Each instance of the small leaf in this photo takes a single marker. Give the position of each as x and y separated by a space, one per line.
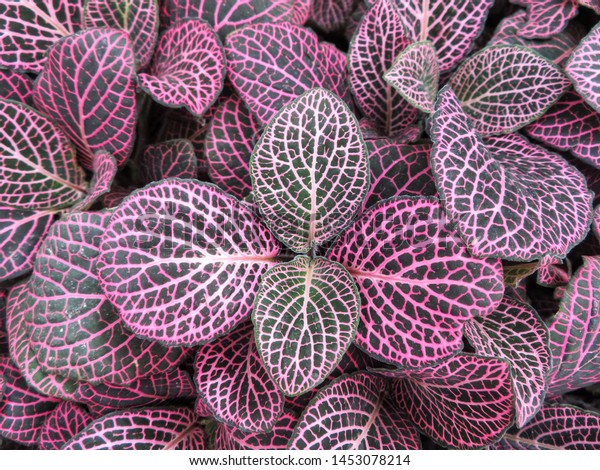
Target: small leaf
16 86
546 18
170 159
515 273
581 71
230 438
66 420
105 170
330 15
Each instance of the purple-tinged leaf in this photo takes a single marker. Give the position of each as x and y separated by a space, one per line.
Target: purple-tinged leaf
167 428
30 27
554 275
289 59
115 196
234 384
21 234
465 402
571 124
398 170
305 316
592 4
546 18
200 407
181 261
87 87
301 11
188 68
596 222
3 333
16 86
505 87
451 26
515 273
354 412
418 284
515 332
228 146
505 205
380 38
296 170
138 18
415 75
105 170
38 169
575 332
66 420
330 15
170 159
229 438
555 427
581 68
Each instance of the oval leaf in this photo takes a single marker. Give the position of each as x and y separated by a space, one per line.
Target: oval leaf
546 18
229 438
170 159
105 170
580 69
330 15
66 420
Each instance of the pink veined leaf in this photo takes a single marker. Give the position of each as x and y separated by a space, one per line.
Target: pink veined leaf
554 275
301 11
115 196
38 169
3 333
330 15
515 332
188 68
504 205
74 330
575 332
234 384
596 222
296 167
138 18
546 18
105 170
407 135
16 86
31 27
167 428
581 71
398 170
22 232
502 88
88 88
181 261
290 61
200 407
228 146
592 4
354 412
226 17
305 316
515 273
66 420
171 159
230 438
415 75
571 124
418 284
379 39
451 26
465 402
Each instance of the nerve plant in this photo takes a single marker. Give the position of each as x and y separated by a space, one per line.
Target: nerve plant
368 261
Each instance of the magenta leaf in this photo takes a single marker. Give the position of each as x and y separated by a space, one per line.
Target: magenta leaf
580 69
234 384
330 15
87 87
555 427
188 68
354 412
105 170
554 275
504 87
592 4
289 59
3 333
417 282
546 18
465 402
530 208
515 332
167 428
138 18
301 11
66 420
171 159
30 27
16 86
296 170
115 196
230 438
379 39
181 261
38 169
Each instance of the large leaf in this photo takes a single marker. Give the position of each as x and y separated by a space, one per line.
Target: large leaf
38 169
105 170
30 27
581 70
505 205
66 420
377 42
188 69
230 438
504 87
16 86
87 87
289 60
418 284
330 15
171 159
354 412
305 317
181 261
167 428
139 18
546 18
234 384
310 170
